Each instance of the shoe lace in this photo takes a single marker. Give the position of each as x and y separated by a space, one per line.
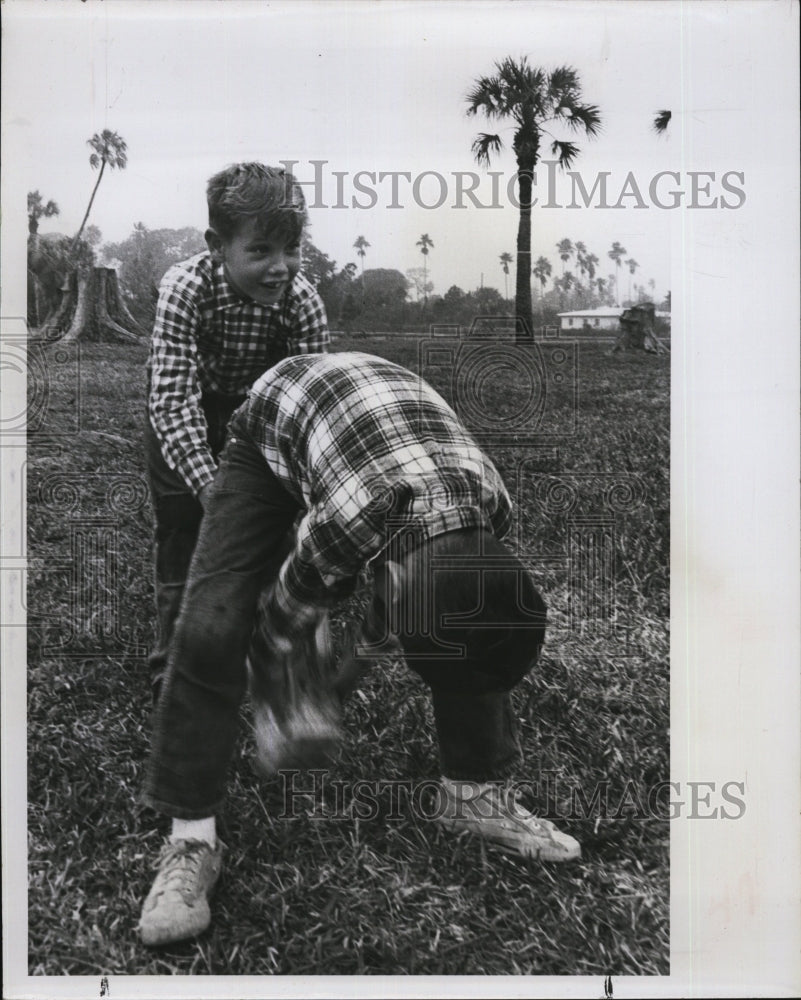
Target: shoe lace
179 863
508 803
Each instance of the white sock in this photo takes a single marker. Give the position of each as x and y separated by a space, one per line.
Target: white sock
195 829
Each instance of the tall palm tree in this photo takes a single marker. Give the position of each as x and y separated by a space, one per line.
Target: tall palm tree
565 250
568 280
37 209
425 243
542 271
107 148
581 256
632 265
600 284
533 100
616 254
361 246
506 259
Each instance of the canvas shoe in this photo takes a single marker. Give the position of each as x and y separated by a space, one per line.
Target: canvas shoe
177 906
493 813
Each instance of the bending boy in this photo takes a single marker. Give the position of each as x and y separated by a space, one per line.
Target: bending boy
383 472
223 318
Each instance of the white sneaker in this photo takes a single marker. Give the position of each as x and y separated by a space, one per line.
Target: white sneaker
177 906
492 812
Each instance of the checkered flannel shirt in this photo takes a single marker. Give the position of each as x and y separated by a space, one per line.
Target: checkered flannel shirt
208 338
368 448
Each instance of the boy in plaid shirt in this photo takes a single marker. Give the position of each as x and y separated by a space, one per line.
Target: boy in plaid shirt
382 472
223 318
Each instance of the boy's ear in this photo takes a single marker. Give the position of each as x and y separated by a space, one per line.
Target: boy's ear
216 246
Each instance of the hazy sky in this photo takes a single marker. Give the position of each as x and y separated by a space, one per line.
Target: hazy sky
367 87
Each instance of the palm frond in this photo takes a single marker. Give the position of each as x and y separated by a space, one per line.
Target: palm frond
109 148
586 117
488 97
564 80
484 145
661 121
564 151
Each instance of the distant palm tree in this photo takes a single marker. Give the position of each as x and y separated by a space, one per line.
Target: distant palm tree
506 259
600 284
661 121
581 256
533 100
616 254
632 265
37 209
425 243
542 271
361 246
108 148
565 250
568 280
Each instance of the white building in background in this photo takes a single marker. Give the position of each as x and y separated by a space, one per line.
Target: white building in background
605 319
602 319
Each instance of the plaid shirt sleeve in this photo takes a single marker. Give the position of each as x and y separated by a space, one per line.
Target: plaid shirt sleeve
322 569
174 403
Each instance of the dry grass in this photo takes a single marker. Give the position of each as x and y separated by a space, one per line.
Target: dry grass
332 889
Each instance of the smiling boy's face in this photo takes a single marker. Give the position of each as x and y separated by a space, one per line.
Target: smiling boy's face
258 265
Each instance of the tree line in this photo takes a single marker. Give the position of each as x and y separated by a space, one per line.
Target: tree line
70 295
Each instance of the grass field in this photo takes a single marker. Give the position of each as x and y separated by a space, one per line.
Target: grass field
330 890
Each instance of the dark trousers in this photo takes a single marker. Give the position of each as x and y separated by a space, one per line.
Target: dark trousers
239 549
178 514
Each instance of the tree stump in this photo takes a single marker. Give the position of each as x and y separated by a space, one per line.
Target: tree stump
637 330
99 311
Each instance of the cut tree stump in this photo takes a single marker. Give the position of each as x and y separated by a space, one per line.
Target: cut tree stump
637 330
92 309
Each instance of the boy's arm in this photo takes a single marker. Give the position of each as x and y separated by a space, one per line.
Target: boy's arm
174 403
322 568
308 322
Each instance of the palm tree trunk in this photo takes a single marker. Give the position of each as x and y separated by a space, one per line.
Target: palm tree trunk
524 326
89 206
